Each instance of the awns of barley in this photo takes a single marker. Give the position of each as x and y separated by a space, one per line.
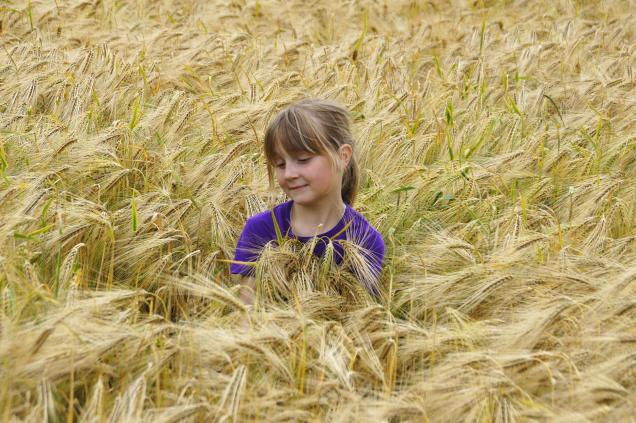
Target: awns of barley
496 144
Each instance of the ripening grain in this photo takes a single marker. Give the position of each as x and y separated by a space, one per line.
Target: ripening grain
497 142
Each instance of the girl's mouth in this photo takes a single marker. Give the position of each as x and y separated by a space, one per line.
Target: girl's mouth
298 187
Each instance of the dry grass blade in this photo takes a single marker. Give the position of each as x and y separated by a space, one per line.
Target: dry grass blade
496 143
231 399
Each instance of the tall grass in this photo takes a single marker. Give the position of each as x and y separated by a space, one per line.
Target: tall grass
497 144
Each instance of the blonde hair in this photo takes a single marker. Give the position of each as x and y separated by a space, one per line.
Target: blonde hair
316 127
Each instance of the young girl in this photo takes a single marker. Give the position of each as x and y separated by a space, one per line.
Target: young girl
309 150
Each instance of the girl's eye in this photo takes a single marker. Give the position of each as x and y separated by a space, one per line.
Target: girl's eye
280 165
304 160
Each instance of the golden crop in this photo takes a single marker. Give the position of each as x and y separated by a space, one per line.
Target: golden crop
498 148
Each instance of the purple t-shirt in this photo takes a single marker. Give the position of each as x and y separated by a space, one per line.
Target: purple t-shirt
259 230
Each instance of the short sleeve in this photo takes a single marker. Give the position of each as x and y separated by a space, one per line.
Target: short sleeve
370 246
248 250
373 248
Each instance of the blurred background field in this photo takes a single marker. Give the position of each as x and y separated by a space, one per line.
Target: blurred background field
497 144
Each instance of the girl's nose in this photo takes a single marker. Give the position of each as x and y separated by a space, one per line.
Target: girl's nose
291 171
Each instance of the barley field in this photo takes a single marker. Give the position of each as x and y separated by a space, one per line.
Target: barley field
497 143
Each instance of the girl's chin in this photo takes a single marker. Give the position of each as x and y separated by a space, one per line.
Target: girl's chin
302 199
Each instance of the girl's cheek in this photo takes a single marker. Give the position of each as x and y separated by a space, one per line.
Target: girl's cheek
280 180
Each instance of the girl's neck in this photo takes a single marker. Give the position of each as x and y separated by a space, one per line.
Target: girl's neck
314 220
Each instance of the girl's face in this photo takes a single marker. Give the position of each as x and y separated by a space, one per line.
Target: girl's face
310 179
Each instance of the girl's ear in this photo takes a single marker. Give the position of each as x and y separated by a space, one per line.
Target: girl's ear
345 152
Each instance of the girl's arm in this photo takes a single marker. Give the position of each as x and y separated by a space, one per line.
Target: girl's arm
248 287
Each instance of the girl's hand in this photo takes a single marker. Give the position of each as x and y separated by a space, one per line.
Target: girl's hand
246 294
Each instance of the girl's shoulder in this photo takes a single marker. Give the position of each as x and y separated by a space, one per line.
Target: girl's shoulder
263 222
361 231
